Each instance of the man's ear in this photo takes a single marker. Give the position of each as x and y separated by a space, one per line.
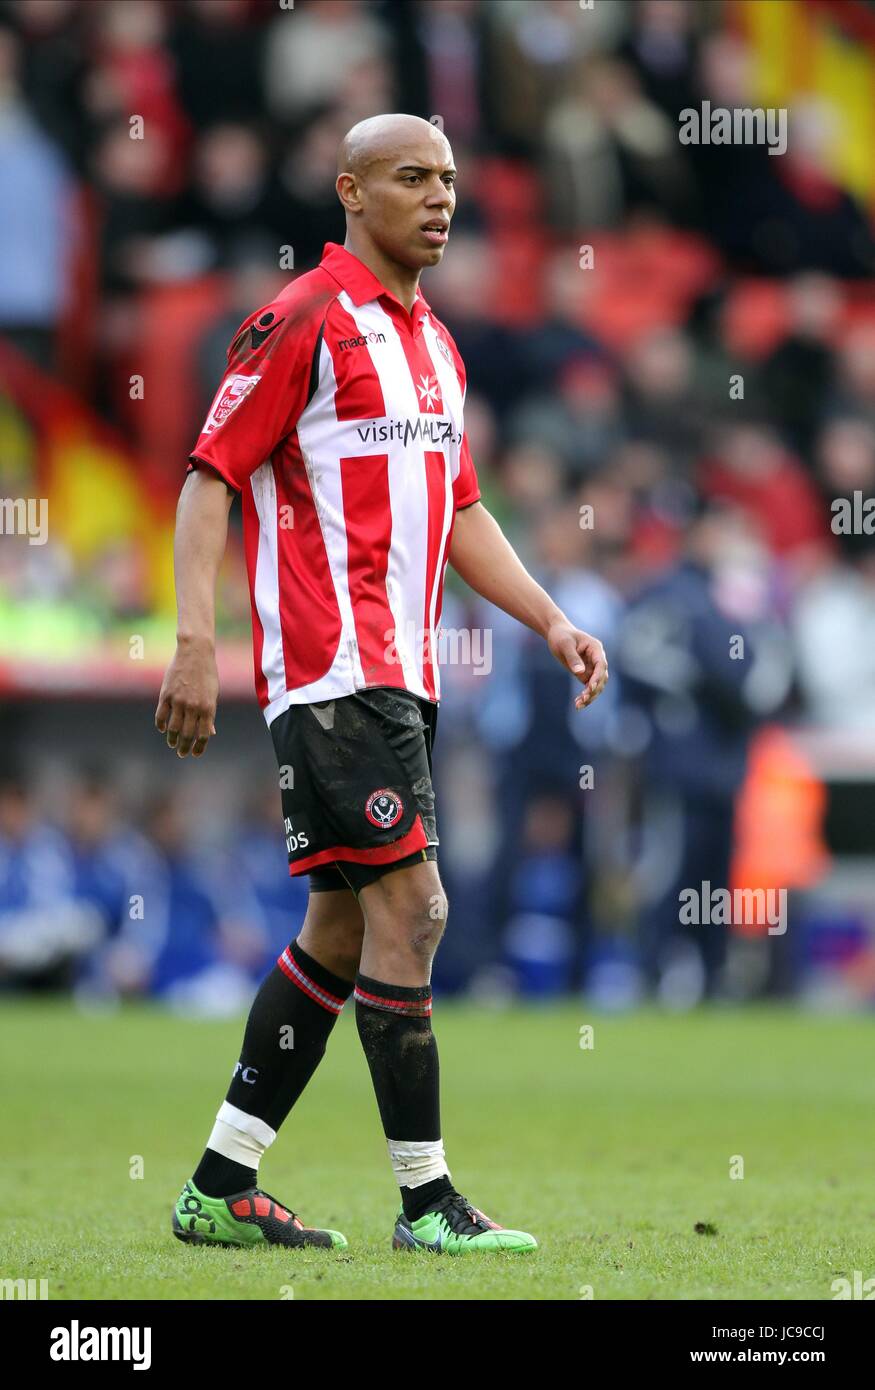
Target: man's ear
348 192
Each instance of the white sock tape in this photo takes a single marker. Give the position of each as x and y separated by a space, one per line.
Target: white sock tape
240 1137
415 1162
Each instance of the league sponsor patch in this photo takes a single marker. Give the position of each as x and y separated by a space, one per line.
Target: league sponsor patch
233 390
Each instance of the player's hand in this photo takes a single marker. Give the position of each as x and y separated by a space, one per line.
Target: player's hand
584 656
189 694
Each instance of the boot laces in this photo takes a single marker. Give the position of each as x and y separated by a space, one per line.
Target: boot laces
461 1204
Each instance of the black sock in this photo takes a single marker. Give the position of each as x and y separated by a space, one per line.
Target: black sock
394 1025
418 1200
286 1034
218 1176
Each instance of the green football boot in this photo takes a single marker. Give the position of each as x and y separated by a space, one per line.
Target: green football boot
454 1227
246 1218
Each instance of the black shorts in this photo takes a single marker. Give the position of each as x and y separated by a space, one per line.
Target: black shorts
355 779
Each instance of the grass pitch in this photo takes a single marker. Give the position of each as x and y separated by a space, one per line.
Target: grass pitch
612 1156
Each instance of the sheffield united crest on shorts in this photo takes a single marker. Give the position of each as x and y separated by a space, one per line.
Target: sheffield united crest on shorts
384 808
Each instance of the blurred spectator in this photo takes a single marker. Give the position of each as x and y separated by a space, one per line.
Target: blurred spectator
452 45
846 465
701 660
662 48
609 149
135 212
527 716
532 479
750 469
853 391
544 898
796 376
212 941
558 338
776 214
134 79
44 930
311 214
836 607
535 43
663 405
218 54
333 52
580 420
54 64
36 219
114 870
234 198
260 852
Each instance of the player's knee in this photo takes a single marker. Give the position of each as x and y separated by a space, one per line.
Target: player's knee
348 939
333 932
408 910
426 923
346 957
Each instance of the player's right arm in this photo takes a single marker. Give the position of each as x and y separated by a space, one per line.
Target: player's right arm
189 694
271 362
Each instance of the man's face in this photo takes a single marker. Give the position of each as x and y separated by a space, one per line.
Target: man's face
407 202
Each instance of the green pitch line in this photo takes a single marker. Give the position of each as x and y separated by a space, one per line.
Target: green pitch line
611 1157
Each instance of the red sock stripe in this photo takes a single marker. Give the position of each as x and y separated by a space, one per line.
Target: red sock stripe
290 967
420 1007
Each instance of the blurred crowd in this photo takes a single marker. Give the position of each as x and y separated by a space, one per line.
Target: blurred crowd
671 382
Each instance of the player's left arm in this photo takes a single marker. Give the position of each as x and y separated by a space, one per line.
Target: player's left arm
483 556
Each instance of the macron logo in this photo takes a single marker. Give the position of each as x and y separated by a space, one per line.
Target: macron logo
363 340
75 1343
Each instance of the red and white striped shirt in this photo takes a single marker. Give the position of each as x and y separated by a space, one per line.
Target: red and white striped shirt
341 422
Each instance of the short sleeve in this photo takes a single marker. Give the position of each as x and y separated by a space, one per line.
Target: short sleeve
264 391
466 489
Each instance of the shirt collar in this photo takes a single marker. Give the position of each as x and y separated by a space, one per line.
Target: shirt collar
360 283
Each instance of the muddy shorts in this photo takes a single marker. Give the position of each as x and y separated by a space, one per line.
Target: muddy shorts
355 779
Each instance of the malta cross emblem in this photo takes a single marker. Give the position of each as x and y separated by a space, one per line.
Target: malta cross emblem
429 393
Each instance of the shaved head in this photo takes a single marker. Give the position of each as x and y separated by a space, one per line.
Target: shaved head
396 181
380 138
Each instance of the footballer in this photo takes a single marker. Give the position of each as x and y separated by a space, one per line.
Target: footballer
341 422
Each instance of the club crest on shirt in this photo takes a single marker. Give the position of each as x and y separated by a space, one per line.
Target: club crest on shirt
233 390
444 350
384 808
